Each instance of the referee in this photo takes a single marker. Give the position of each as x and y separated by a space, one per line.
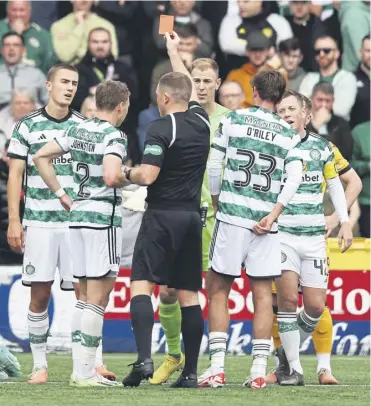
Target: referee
168 247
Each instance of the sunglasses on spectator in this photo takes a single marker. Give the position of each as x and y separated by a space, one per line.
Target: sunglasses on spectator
326 51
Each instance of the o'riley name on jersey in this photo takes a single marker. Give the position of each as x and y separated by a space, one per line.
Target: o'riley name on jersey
33 131
95 204
257 145
304 215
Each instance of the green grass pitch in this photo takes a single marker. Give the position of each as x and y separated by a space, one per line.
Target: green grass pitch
352 372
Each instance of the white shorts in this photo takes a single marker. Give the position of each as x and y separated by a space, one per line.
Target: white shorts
233 246
47 249
307 257
96 253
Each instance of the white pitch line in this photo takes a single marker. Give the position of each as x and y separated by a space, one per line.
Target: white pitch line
234 385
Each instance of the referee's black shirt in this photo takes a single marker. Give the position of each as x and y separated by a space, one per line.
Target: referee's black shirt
179 144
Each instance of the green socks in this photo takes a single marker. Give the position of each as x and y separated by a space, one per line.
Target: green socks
171 320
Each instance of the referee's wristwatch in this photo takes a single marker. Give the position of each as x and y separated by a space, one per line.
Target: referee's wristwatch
127 173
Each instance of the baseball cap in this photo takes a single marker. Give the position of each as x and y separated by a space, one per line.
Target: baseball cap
257 40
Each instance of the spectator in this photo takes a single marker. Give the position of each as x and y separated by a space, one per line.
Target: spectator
22 103
345 84
253 16
257 51
7 256
99 64
184 13
88 107
361 163
71 33
355 24
306 27
14 74
328 124
231 95
328 12
39 49
361 109
120 14
186 49
44 13
291 57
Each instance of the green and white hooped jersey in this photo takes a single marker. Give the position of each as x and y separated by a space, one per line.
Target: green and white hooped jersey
304 215
95 205
33 131
257 146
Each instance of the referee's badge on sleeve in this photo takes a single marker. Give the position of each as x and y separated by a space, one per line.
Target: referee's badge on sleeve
153 150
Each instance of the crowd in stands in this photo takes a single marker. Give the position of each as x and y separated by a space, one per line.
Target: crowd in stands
322 48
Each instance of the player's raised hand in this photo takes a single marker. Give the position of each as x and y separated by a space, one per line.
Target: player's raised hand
345 236
16 236
172 41
66 202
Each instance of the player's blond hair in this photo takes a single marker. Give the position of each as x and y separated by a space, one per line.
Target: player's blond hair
205 63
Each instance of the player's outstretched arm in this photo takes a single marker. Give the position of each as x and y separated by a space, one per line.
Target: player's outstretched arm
177 64
294 170
44 163
14 188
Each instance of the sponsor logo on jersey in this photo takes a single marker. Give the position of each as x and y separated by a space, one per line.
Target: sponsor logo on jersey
153 150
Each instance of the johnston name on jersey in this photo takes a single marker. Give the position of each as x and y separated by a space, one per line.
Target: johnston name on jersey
304 215
33 131
257 144
95 205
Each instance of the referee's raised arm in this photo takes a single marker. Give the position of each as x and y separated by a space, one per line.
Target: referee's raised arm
172 43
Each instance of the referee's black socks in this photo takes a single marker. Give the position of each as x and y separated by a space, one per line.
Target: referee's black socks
192 331
142 320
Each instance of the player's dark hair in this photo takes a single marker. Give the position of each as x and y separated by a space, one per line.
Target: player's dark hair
270 85
293 93
291 44
323 87
12 34
57 67
178 85
110 94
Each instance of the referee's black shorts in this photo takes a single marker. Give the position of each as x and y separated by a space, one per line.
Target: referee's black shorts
168 249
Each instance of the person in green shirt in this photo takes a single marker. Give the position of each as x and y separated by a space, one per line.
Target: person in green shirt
39 47
361 164
205 74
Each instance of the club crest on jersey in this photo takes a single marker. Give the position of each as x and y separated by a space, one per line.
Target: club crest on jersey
283 257
315 155
30 269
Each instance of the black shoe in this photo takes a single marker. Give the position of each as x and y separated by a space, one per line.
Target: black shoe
283 368
143 370
293 379
189 381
